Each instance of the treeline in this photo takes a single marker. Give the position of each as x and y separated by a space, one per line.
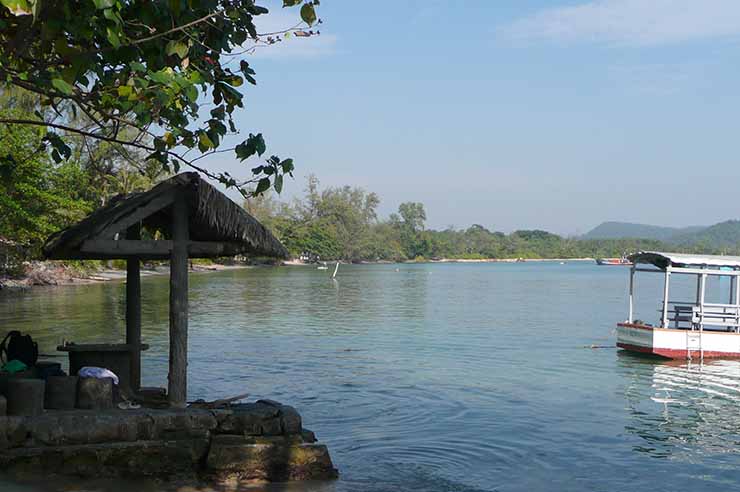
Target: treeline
42 192
342 223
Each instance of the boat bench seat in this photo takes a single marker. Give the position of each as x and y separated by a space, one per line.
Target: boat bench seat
716 315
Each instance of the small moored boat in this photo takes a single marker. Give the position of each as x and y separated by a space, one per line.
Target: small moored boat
613 261
690 328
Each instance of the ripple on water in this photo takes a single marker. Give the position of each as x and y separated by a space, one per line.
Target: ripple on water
436 377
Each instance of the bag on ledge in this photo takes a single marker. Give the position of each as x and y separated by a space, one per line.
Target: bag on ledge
16 346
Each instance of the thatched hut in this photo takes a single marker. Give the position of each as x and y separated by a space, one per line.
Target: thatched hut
196 221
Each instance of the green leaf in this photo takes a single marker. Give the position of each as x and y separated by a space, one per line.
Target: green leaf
103 4
161 77
191 92
278 183
291 3
262 185
204 141
62 86
177 47
17 7
137 67
112 15
287 165
255 144
113 37
259 144
308 14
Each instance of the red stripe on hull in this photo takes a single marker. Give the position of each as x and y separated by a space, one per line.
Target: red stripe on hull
677 353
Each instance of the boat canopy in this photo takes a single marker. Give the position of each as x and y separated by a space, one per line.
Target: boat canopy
664 260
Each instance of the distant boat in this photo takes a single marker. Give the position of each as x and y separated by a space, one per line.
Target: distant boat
613 261
322 267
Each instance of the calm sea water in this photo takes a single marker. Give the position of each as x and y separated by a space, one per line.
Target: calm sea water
443 377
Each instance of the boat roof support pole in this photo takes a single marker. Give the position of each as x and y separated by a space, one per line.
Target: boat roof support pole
632 294
736 302
133 310
664 321
178 375
702 296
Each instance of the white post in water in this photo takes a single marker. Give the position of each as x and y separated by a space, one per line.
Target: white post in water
664 321
632 293
335 270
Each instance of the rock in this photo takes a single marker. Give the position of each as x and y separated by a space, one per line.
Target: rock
13 431
25 397
95 394
308 436
61 392
233 459
160 459
264 418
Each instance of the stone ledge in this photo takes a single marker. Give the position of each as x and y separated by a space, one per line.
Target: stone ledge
139 458
73 427
261 441
231 459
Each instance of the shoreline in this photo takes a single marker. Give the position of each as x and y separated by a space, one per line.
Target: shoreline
54 275
443 260
44 274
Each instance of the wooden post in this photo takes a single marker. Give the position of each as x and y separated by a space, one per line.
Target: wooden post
133 310
178 376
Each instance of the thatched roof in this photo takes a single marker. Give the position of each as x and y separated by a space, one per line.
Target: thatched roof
218 226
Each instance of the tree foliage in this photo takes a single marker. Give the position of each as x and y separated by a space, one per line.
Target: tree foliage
141 72
342 223
39 196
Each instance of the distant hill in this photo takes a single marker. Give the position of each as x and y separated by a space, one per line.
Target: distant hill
619 230
723 235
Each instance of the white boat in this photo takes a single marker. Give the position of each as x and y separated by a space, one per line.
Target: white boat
687 329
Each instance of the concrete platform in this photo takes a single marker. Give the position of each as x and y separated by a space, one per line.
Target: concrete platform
262 441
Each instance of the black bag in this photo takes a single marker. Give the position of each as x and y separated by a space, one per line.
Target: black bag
16 346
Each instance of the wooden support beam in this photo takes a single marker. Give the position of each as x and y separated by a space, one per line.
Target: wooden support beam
125 248
178 375
133 309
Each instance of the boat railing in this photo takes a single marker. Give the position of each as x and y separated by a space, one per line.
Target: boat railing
689 315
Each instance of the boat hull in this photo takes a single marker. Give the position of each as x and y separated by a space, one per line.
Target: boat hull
677 344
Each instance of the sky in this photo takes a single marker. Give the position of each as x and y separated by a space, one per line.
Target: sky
512 114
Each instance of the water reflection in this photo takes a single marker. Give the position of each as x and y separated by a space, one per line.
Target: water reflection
435 377
683 410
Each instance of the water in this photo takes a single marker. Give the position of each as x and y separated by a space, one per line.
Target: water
442 377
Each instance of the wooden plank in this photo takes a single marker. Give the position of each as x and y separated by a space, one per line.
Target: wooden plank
125 248
178 374
133 309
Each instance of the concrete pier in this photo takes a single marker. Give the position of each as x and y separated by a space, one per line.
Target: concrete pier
253 442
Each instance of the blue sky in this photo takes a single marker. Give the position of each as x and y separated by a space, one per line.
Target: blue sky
512 114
